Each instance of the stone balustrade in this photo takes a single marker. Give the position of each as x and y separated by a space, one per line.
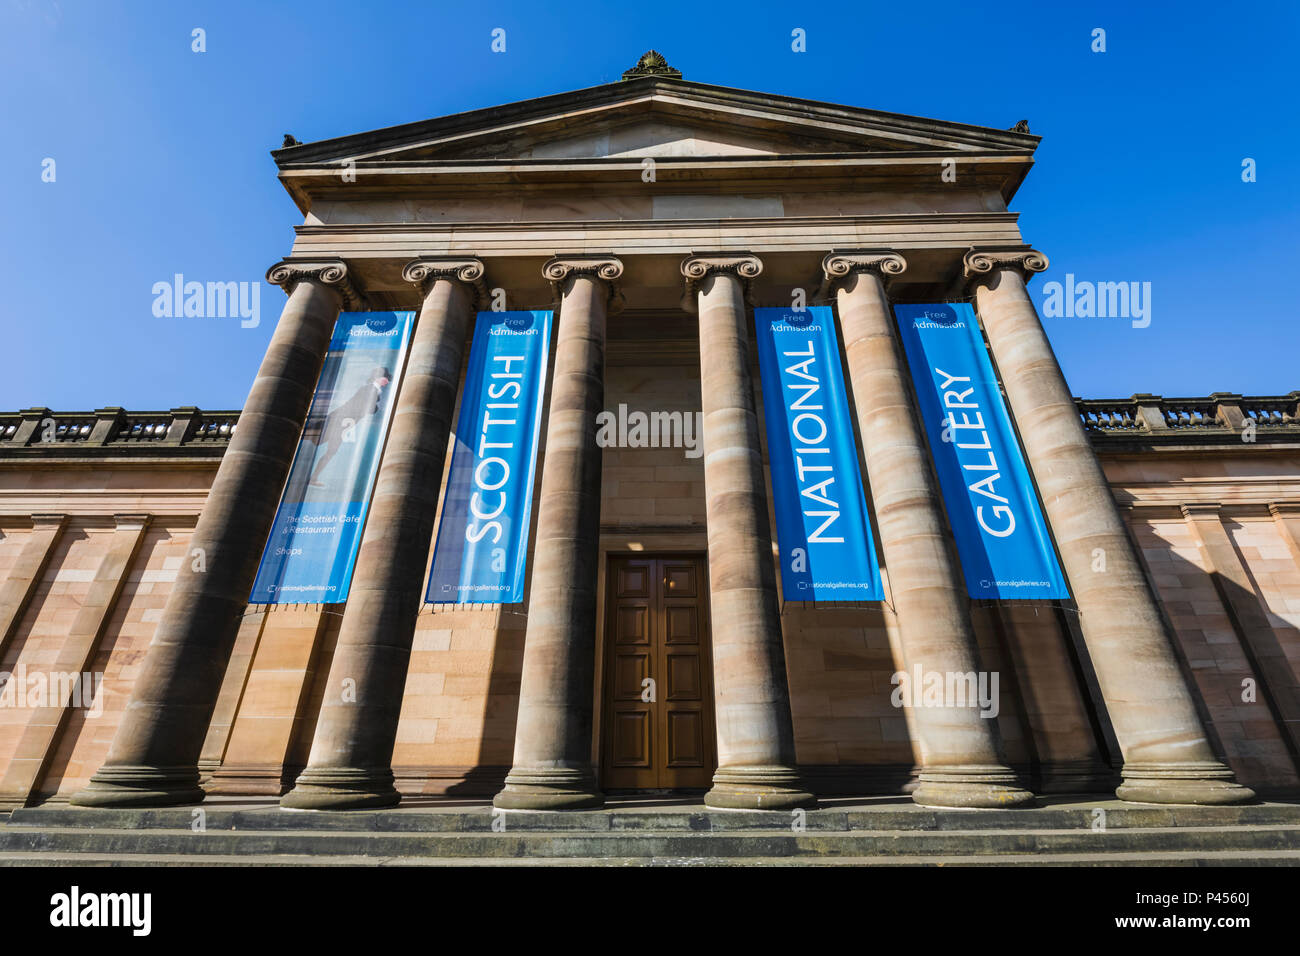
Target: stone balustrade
1218 416
36 431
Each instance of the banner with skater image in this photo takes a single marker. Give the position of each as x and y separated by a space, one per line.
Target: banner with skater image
313 544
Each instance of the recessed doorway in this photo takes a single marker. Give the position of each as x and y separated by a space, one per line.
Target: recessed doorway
657 725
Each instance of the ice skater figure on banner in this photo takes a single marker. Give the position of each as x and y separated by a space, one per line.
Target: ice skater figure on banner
337 427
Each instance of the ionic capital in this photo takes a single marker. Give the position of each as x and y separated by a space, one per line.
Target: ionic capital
980 263
560 270
424 271
333 273
838 266
696 269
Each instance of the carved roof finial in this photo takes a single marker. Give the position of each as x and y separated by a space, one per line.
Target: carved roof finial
652 63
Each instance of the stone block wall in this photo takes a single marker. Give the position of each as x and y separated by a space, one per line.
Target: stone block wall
1218 530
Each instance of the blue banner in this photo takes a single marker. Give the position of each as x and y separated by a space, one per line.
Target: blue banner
821 514
313 543
482 542
1003 541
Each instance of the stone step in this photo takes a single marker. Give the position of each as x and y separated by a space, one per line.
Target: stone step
900 817
1207 858
18 839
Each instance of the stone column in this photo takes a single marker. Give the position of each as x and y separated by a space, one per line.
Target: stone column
756 757
1167 755
962 763
153 760
350 766
552 761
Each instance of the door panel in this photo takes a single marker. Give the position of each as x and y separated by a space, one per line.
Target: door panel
631 732
629 673
683 682
681 624
686 746
657 628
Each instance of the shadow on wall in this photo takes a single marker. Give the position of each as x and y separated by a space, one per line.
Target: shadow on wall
851 739
1235 659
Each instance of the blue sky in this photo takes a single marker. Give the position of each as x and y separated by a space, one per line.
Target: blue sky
162 161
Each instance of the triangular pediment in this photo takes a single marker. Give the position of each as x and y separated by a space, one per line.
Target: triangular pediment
646 134
655 117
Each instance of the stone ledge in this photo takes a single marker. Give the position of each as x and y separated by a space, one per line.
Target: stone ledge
1138 423
1060 831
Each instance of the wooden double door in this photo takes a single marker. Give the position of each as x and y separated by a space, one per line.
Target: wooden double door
657 730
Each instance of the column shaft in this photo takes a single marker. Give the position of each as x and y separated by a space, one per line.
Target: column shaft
552 759
1167 756
350 766
962 762
153 760
756 754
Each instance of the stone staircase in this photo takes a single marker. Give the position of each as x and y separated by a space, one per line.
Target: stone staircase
1061 832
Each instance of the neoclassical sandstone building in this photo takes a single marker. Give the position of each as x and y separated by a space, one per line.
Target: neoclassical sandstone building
650 214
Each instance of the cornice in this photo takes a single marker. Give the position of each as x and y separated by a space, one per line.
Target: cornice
446 164
912 170
526 225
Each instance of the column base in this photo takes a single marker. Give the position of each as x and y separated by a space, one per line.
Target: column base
140 786
550 789
1207 783
758 788
970 787
342 788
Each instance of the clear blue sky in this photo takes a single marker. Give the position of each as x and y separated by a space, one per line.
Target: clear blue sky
163 166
